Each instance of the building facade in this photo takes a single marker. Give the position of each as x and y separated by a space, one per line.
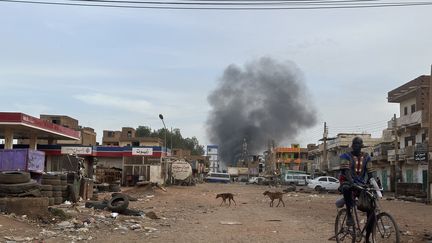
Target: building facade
335 148
291 158
410 158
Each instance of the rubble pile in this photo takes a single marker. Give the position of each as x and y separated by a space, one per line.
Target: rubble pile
118 203
84 221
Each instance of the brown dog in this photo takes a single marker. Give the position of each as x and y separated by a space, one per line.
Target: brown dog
273 196
226 196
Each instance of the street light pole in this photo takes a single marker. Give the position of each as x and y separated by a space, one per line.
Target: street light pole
165 141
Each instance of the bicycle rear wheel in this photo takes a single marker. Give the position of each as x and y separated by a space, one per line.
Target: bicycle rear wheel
344 233
386 229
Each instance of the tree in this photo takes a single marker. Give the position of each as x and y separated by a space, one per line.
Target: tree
173 137
143 131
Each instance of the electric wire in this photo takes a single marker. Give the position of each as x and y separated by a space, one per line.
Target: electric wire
198 6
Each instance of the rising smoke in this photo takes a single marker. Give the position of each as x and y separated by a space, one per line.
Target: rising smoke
265 100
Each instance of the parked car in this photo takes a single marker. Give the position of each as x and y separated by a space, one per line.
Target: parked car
257 180
218 177
324 183
296 179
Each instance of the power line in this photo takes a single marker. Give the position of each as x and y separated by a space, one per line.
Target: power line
312 6
232 2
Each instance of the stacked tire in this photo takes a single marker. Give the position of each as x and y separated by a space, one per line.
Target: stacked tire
64 187
18 184
56 188
47 191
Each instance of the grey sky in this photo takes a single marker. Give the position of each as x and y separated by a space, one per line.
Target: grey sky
110 68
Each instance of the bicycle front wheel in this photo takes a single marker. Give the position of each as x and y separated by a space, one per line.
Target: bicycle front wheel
386 229
344 233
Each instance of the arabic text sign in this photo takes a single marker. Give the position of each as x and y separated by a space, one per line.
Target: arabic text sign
142 151
181 170
76 150
420 156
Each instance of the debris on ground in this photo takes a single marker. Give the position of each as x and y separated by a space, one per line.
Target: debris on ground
230 223
151 215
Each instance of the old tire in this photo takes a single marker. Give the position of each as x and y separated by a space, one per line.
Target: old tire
57 194
14 177
132 212
131 199
47 193
46 187
119 203
96 205
54 182
19 188
51 201
57 188
49 177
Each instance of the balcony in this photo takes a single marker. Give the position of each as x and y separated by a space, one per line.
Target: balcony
412 119
391 155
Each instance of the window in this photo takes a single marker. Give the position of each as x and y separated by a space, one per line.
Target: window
322 179
413 108
405 110
129 134
332 180
110 134
423 137
409 141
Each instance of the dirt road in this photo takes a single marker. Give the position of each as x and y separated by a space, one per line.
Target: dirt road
192 214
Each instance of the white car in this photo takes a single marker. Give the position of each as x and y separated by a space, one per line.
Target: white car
324 183
257 180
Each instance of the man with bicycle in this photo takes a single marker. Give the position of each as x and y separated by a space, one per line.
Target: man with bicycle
356 169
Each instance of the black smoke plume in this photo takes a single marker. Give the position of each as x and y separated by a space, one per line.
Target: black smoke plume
265 100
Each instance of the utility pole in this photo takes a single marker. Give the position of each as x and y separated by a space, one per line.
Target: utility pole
395 169
325 134
429 174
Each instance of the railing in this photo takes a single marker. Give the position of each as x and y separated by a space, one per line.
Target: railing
410 120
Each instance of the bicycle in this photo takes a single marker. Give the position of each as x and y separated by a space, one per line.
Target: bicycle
385 230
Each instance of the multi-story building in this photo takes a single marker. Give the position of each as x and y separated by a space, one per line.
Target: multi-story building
291 158
212 152
337 146
411 128
127 138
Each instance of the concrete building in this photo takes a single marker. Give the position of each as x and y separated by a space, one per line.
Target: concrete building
140 158
292 158
411 127
213 153
127 138
14 125
337 146
65 159
87 134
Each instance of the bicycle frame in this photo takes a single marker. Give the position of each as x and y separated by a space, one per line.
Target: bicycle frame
359 232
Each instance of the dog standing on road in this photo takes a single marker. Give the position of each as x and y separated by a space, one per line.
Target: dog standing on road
226 196
273 196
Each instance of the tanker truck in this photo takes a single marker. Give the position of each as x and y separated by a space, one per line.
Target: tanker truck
181 173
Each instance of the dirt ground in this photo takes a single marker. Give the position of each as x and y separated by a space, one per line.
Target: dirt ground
192 214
